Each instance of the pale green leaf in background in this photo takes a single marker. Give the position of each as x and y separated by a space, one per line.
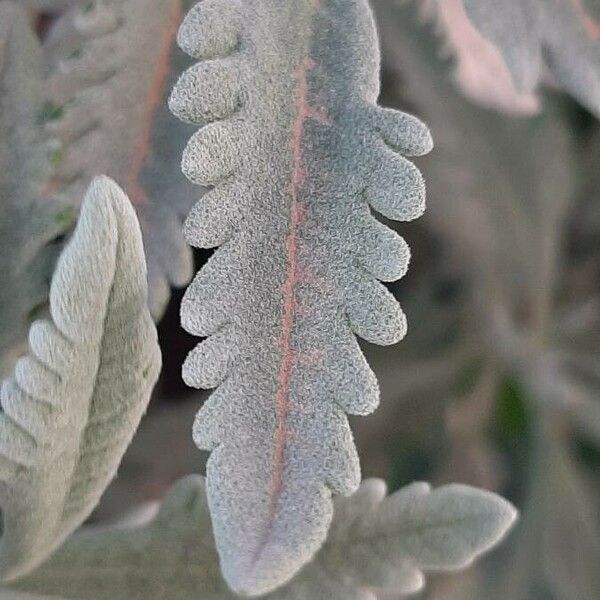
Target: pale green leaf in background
479 70
74 402
555 552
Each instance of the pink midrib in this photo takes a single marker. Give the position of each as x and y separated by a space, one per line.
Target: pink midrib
288 289
303 111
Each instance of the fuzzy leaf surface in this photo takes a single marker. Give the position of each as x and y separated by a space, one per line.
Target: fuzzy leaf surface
73 403
375 543
563 35
296 149
110 69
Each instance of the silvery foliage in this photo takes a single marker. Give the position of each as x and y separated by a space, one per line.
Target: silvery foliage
479 70
297 150
71 407
376 543
97 303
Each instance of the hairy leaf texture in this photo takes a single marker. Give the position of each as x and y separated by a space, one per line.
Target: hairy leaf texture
29 221
110 69
378 544
296 150
375 543
74 402
563 35
171 556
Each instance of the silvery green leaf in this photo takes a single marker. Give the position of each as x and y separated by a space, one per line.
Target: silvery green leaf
172 556
532 35
375 544
386 544
29 219
297 149
73 403
110 66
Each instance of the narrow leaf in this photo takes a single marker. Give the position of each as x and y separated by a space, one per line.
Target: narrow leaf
297 150
375 544
73 404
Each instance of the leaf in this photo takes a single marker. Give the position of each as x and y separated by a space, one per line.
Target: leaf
73 404
559 34
375 543
29 220
396 539
480 70
172 556
110 65
297 150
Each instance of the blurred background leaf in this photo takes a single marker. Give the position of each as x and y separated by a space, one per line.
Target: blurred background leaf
30 219
110 66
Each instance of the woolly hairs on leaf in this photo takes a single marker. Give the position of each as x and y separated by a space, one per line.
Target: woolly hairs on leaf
296 150
375 543
74 402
